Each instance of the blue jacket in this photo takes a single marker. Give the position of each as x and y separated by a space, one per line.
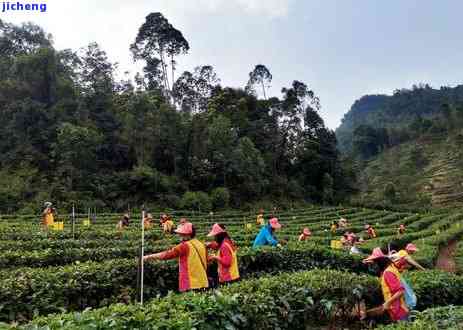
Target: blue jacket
265 237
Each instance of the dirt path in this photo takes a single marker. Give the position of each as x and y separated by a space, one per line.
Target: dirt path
446 260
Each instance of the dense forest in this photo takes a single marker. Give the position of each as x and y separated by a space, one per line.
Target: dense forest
73 133
378 122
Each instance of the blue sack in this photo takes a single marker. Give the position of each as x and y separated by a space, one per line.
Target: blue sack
409 295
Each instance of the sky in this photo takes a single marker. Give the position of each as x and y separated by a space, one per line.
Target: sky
342 49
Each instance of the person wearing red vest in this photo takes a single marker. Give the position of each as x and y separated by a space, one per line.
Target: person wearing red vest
403 260
306 233
391 285
371 232
401 229
192 259
226 259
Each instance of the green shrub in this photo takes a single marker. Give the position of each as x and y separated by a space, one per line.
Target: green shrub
25 291
199 201
220 198
288 301
450 318
204 201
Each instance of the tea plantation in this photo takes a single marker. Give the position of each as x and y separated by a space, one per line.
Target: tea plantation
87 279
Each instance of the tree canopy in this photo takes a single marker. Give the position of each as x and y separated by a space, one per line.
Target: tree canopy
73 132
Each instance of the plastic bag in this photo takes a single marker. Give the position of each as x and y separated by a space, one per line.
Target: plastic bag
409 295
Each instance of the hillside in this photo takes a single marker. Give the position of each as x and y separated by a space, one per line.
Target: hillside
395 112
424 172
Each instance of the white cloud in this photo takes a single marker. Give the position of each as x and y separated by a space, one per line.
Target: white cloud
265 8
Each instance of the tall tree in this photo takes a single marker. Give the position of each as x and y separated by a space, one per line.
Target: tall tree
259 76
192 90
158 41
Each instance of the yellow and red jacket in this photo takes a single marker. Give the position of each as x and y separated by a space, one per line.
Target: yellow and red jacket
48 217
192 263
390 285
371 232
228 261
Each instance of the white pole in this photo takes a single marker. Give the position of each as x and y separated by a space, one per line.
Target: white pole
142 252
73 220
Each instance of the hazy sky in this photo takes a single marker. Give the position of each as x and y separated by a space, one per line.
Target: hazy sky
342 49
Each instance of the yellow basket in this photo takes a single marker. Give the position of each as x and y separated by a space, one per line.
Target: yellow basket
86 222
58 226
337 245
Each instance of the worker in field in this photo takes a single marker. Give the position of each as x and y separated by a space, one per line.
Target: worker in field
266 236
48 215
392 288
124 222
401 230
226 259
260 218
192 259
167 223
370 231
403 259
345 240
343 223
334 228
148 221
354 250
305 235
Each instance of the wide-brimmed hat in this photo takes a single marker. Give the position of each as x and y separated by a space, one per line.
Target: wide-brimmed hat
274 223
306 231
149 216
377 253
367 226
411 247
185 229
216 229
47 204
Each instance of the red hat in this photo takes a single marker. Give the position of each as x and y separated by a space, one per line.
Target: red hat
185 229
376 254
306 232
411 247
274 223
216 229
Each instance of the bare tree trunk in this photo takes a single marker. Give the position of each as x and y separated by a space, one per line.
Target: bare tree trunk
263 89
172 63
164 73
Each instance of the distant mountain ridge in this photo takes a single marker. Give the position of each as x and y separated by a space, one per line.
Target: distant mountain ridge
395 111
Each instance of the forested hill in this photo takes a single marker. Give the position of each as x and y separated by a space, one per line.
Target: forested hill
72 133
408 146
401 114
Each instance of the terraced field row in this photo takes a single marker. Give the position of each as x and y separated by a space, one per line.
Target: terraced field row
48 272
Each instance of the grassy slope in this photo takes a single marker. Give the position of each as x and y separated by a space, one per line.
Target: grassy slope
437 181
